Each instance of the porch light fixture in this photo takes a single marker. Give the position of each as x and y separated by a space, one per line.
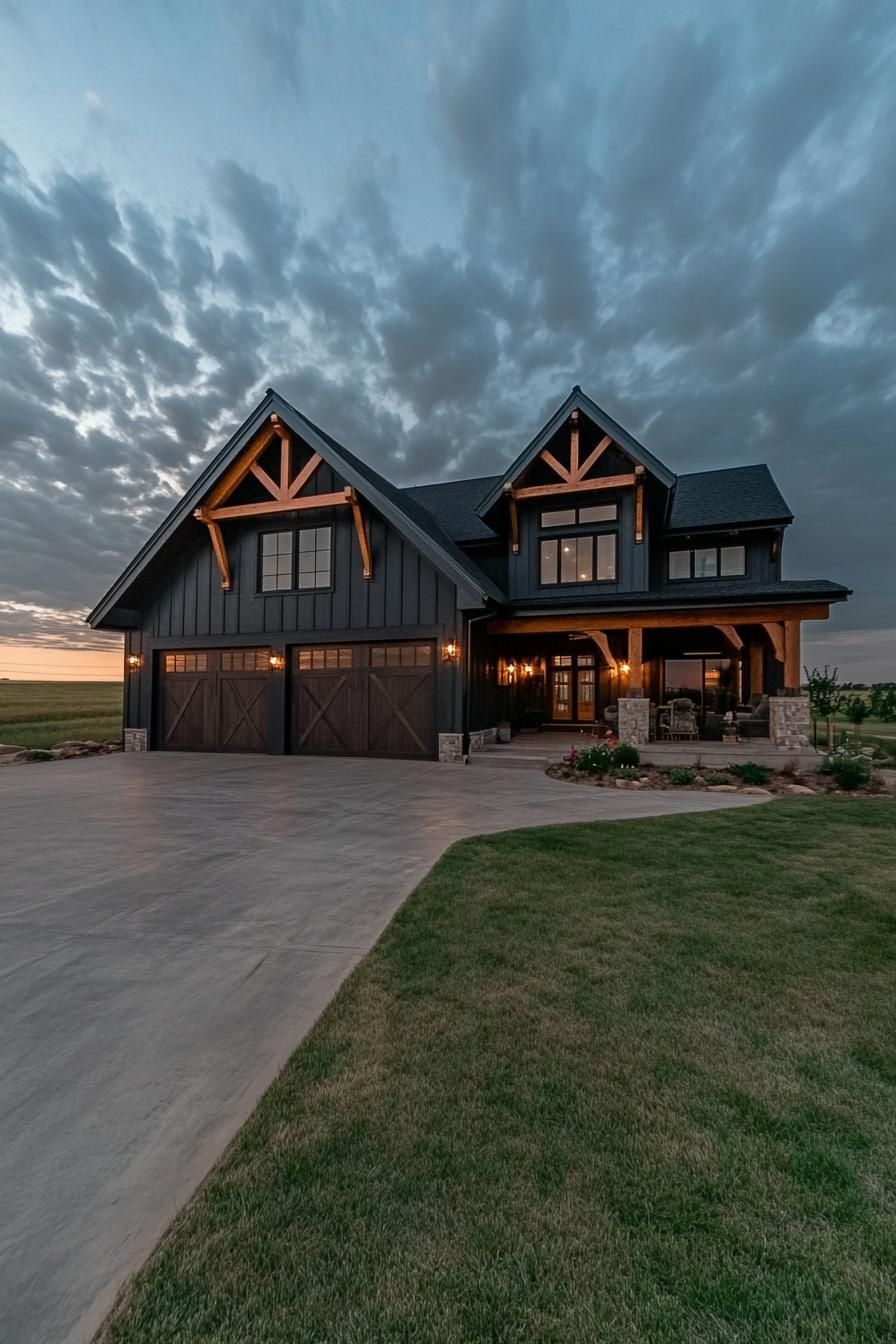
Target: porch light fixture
528 669
624 668
135 661
277 661
451 651
511 671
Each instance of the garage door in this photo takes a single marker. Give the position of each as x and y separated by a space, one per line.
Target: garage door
364 700
214 700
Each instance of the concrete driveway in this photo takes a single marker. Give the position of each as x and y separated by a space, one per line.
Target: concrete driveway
170 927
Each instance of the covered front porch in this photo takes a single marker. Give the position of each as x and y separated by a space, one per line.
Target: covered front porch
665 677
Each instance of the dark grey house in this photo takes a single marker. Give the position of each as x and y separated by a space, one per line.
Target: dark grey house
295 600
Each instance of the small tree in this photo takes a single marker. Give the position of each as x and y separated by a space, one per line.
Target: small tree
825 696
856 708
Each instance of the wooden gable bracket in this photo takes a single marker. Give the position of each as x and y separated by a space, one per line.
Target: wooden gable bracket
732 636
600 639
775 632
218 548
639 504
514 519
361 531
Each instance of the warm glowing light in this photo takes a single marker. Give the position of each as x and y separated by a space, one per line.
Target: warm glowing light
451 650
135 661
511 669
278 662
528 669
624 667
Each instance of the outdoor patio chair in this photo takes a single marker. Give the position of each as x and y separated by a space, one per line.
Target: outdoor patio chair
756 723
681 721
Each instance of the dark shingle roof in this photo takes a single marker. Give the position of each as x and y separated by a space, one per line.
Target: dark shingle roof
727 497
694 594
453 504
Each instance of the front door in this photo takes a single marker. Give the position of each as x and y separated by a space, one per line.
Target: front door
573 688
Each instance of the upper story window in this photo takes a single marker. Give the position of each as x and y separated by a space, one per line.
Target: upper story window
708 562
278 560
315 550
578 559
591 513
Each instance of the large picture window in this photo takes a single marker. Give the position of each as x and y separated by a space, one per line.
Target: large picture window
708 562
578 559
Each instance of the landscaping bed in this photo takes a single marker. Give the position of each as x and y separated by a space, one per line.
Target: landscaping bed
10 754
620 768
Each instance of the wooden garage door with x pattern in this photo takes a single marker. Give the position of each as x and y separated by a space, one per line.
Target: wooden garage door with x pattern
214 700
364 700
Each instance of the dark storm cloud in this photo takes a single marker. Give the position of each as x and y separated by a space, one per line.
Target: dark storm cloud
700 234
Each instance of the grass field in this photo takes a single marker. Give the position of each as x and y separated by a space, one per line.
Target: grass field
39 713
616 1083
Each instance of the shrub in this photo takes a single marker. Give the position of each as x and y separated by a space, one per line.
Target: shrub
625 754
680 774
856 708
849 770
38 754
751 773
716 777
626 772
592 760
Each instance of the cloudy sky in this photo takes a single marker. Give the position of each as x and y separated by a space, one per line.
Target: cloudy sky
423 222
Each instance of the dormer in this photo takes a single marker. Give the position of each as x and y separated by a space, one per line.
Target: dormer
576 507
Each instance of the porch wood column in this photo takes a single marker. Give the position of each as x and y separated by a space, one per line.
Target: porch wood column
792 655
757 665
636 671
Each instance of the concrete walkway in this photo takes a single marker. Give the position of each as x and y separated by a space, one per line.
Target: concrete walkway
170 927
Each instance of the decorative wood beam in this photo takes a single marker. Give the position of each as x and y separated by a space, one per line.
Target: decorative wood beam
776 636
792 678
218 547
592 457
285 445
635 652
555 465
757 665
239 470
639 504
603 644
574 447
269 484
277 506
514 519
304 475
657 620
732 636
574 487
361 530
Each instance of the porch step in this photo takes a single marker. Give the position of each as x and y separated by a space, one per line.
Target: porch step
512 760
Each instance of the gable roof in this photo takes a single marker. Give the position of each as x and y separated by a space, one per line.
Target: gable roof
416 523
455 504
578 401
726 497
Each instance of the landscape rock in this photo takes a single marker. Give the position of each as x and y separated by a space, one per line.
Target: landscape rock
698 779
629 784
801 788
725 788
754 788
6 749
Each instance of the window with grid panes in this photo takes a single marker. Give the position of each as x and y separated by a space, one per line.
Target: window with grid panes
276 561
315 564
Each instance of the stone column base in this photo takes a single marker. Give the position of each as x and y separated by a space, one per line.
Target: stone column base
477 740
789 722
634 721
135 739
451 747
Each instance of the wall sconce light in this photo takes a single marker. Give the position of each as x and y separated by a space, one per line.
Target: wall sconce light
528 669
511 671
450 651
135 662
624 668
277 661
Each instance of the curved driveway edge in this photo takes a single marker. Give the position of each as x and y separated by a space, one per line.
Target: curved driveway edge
170 928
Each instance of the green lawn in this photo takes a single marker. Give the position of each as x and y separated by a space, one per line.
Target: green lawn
631 1081
40 713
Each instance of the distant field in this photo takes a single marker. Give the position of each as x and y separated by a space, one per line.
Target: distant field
40 713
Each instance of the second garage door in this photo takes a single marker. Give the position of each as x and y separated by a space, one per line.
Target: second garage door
364 700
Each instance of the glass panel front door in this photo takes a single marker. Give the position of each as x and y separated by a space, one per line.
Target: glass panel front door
562 692
573 687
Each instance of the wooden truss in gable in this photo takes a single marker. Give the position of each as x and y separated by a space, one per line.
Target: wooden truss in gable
284 496
575 478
